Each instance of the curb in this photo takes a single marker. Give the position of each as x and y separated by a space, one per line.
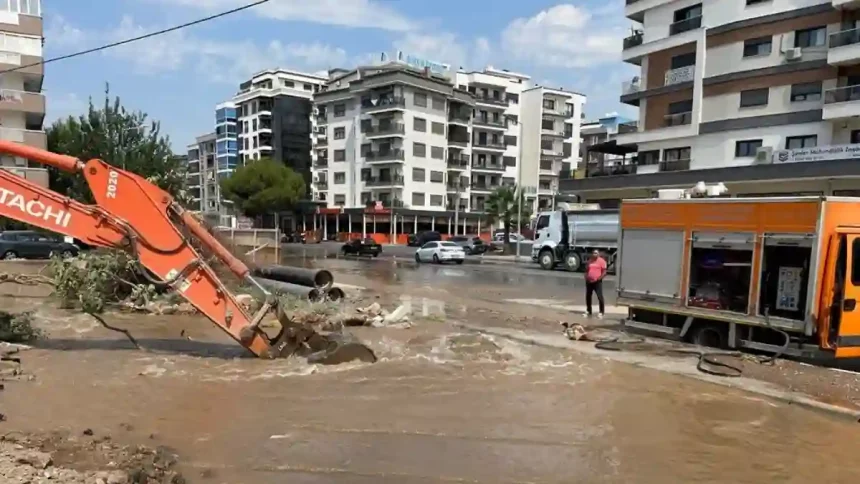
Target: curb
748 385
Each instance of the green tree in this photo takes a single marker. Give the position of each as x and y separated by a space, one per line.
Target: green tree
263 187
121 138
502 206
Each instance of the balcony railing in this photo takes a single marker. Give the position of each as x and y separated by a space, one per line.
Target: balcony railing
389 155
633 40
387 129
458 141
679 75
553 133
685 25
455 161
488 166
550 152
459 117
488 122
321 142
490 145
610 171
842 94
486 187
456 187
321 162
678 119
546 165
383 103
675 165
321 184
631 87
491 100
628 127
391 181
846 37
321 119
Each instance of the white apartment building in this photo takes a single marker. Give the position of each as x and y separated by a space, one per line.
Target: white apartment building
22 104
202 175
745 92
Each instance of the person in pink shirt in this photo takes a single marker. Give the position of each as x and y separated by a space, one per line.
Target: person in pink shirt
595 271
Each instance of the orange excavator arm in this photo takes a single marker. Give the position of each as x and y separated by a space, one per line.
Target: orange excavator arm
135 215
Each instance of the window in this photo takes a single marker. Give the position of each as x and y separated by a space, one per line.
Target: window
855 136
366 125
339 133
340 199
754 97
797 142
339 178
549 104
815 37
649 157
756 2
683 60
339 110
437 177
808 91
437 128
676 154
437 152
419 175
339 155
510 140
438 103
688 13
747 147
288 83
366 148
419 99
419 150
510 160
758 46
418 200
419 124
254 124
430 245
681 107
547 124
307 87
512 98
436 200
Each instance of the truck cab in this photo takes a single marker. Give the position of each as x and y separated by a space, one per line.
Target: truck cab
565 237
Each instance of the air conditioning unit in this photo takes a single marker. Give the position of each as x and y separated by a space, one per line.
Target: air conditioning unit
764 154
793 54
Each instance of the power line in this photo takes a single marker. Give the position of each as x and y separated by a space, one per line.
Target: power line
141 37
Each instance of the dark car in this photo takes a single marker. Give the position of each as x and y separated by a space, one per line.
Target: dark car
470 245
29 244
422 238
293 238
362 247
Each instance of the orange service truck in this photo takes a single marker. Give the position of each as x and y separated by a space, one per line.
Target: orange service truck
771 274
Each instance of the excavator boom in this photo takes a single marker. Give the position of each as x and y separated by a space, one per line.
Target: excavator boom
135 215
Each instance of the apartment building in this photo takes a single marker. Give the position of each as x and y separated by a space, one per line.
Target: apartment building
599 150
762 95
202 175
22 105
275 111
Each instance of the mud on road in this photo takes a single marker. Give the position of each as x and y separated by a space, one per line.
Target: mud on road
441 405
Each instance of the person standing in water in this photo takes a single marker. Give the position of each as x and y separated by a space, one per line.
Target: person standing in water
595 271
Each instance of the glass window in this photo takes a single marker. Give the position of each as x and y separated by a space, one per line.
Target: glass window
430 245
339 178
436 201
418 200
419 124
437 152
339 155
419 99
815 37
437 177
340 199
419 150
339 133
339 110
808 91
438 103
798 142
754 97
683 60
418 174
758 46
437 128
747 147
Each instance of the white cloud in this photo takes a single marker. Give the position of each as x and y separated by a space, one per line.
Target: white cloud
442 47
349 13
61 35
566 36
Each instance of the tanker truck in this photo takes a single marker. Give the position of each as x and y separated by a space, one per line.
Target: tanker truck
566 237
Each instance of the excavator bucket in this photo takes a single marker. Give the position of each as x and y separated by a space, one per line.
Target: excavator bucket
319 347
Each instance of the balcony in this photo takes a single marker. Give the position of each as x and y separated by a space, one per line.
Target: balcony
841 102
679 75
456 187
685 25
551 133
321 142
486 166
678 119
265 127
389 181
491 101
551 153
460 162
383 130
383 104
321 119
483 187
29 137
389 155
489 146
321 162
675 165
634 40
12 60
458 142
38 176
22 101
610 171
321 184
546 168
488 123
459 117
546 190
844 47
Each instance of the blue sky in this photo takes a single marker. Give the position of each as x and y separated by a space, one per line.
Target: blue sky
178 78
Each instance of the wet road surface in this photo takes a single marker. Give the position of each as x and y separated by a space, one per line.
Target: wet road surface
441 405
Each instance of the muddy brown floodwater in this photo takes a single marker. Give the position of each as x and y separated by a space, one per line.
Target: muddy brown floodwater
441 405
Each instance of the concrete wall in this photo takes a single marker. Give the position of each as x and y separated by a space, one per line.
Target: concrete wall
530 143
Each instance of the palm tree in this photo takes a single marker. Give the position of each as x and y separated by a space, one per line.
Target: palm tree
502 206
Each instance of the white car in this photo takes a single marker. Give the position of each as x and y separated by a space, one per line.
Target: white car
440 252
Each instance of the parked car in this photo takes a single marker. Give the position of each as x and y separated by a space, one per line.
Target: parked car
498 243
440 252
29 244
470 245
366 246
418 240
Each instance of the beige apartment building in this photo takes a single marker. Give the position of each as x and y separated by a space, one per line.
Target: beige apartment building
22 104
763 95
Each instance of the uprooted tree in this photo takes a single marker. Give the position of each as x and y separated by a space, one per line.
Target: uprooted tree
263 187
125 139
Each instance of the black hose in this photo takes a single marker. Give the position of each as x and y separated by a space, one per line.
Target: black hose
708 359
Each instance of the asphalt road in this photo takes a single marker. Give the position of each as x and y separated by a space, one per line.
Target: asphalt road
332 249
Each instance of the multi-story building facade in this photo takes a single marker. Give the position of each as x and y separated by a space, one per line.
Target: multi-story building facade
599 149
22 105
202 175
745 92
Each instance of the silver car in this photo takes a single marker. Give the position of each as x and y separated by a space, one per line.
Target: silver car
440 252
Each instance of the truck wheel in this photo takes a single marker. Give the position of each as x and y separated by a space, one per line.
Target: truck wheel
711 335
546 259
572 261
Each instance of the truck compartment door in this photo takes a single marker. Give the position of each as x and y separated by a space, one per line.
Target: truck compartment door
848 330
650 264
